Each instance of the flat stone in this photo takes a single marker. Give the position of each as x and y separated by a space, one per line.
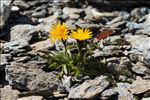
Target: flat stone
7 93
31 98
89 89
16 47
109 94
140 86
119 65
26 32
5 8
139 68
31 77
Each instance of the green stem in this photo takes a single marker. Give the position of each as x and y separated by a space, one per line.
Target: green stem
81 54
65 45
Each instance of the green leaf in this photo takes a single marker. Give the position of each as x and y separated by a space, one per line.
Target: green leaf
65 69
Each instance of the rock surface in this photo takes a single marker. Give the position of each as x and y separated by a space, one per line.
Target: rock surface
31 77
5 8
89 89
7 93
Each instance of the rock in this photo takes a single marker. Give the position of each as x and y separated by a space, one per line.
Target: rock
93 14
109 94
26 32
140 47
134 26
31 98
42 46
16 47
139 68
147 94
48 20
124 94
15 8
118 93
146 26
89 89
67 10
88 25
140 86
21 4
108 51
5 8
146 98
119 66
7 93
32 78
67 82
39 14
72 13
22 59
4 61
137 13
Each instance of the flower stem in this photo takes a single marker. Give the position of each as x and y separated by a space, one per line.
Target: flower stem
81 54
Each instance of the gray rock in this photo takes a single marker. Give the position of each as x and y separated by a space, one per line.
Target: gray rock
32 78
88 25
140 47
109 94
119 65
67 82
7 93
4 60
146 98
89 89
140 86
146 26
139 68
67 10
134 26
124 94
22 59
16 47
39 14
26 32
31 98
21 4
5 8
118 93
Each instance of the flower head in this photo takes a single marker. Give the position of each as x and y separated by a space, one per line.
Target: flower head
81 34
59 32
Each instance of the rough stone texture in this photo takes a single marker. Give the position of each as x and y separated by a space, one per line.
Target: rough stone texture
89 89
31 77
146 26
119 65
31 98
16 47
109 94
139 68
26 32
42 45
124 94
67 10
146 98
140 47
4 60
140 86
5 7
7 93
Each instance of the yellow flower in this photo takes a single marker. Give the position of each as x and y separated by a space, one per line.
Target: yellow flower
59 32
81 34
